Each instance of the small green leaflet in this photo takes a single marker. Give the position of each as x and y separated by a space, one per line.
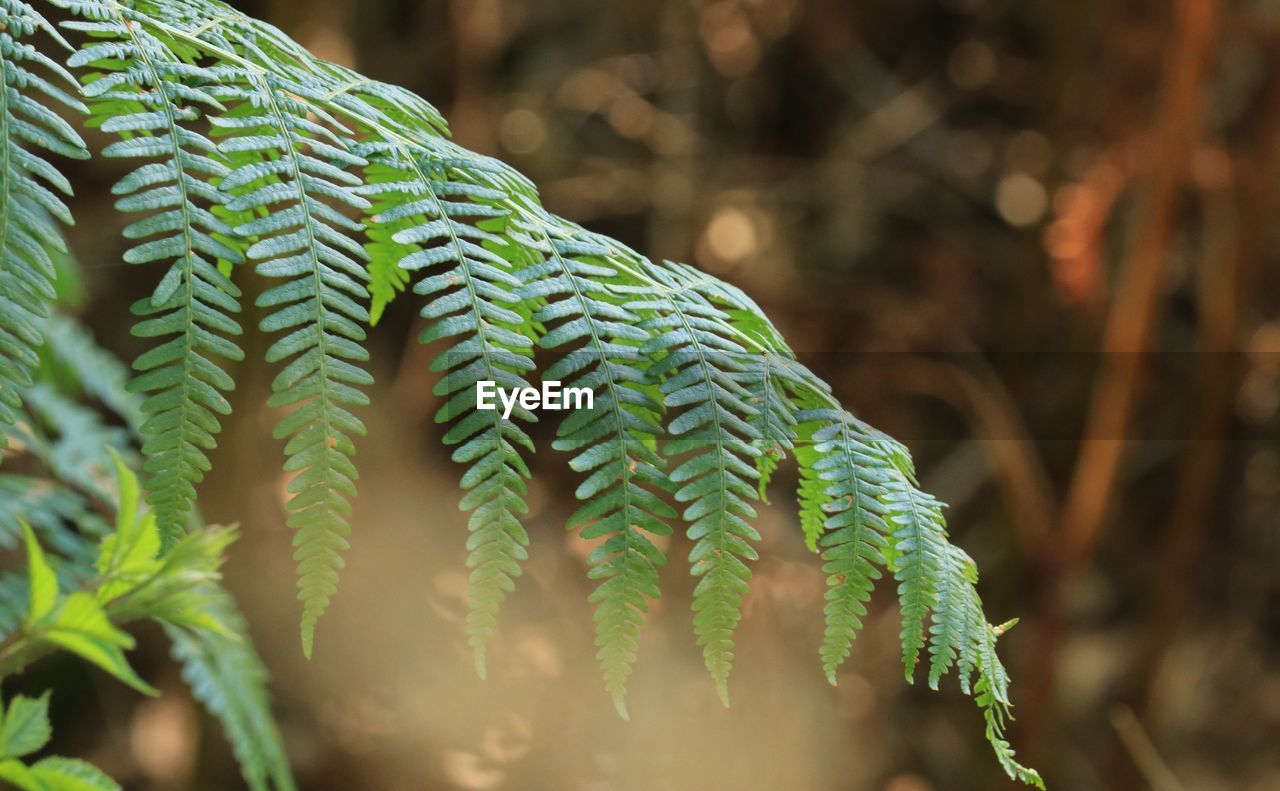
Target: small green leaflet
25 729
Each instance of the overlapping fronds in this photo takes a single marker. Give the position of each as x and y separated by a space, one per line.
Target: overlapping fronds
712 433
858 485
341 191
854 533
113 575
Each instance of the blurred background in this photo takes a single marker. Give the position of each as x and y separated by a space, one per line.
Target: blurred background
1037 241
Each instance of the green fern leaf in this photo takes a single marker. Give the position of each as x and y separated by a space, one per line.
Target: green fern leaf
143 88
958 628
918 542
227 677
72 441
50 508
992 694
711 428
614 443
74 356
31 84
288 170
775 419
854 538
474 303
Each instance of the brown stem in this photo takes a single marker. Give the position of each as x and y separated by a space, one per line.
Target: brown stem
1139 301
1133 315
1226 271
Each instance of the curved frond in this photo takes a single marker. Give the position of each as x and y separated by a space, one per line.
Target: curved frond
342 191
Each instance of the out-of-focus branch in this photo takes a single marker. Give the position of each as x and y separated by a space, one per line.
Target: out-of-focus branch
1138 302
1226 272
1154 769
1133 316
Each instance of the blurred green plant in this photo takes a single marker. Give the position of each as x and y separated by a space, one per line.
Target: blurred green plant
129 580
340 190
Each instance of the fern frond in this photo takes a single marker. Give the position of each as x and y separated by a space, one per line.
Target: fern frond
474 299
31 86
48 507
918 547
853 475
13 601
710 424
145 89
957 632
774 420
992 694
73 353
289 171
811 490
614 444
227 677
72 441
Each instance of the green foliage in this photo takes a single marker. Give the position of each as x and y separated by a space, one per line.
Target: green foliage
140 88
33 85
713 434
853 537
614 443
289 171
341 191
25 729
100 577
227 677
472 302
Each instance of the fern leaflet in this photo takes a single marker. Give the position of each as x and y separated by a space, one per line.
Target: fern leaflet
473 302
142 88
614 443
30 206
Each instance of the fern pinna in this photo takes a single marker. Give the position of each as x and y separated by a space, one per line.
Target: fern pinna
255 158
